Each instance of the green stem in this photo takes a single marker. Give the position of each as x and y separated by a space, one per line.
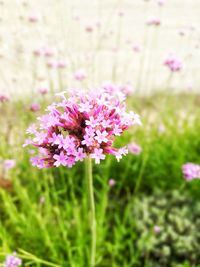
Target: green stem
89 178
139 179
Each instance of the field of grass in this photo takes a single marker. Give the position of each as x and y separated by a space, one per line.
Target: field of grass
44 213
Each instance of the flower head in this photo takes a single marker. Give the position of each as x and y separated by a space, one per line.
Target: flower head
161 2
81 126
34 107
9 164
43 90
80 75
4 98
111 182
153 22
12 261
191 171
173 63
34 17
134 148
157 229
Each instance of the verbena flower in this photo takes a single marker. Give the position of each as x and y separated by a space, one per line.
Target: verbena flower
121 91
156 229
9 164
80 75
43 90
4 98
191 171
161 2
136 48
111 182
134 148
80 126
34 107
34 18
12 261
153 22
173 63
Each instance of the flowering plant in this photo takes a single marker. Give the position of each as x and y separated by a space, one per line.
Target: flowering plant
173 63
82 125
12 261
191 171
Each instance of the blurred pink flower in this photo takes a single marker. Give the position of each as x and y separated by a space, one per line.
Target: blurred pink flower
157 229
80 75
38 52
43 90
161 128
121 91
136 48
153 22
9 164
12 261
61 64
121 13
49 52
89 29
35 107
127 89
52 64
182 32
161 2
34 17
44 51
111 182
98 24
4 98
25 2
173 63
76 17
191 171
134 148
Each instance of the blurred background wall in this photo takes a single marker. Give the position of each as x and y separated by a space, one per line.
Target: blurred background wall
47 42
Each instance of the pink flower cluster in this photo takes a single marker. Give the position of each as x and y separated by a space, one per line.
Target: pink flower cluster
43 90
4 98
157 229
121 91
12 261
9 164
134 148
161 2
57 64
80 75
153 22
49 53
44 51
173 63
191 171
35 107
82 125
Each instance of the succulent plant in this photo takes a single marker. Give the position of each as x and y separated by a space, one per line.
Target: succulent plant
168 227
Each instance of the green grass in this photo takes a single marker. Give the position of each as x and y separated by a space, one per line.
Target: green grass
45 216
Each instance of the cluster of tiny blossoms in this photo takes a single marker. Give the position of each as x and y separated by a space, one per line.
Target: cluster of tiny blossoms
82 125
173 63
12 261
191 171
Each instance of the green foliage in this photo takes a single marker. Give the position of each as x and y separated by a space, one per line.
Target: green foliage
44 217
178 218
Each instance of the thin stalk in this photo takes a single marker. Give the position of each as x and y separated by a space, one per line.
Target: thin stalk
89 177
